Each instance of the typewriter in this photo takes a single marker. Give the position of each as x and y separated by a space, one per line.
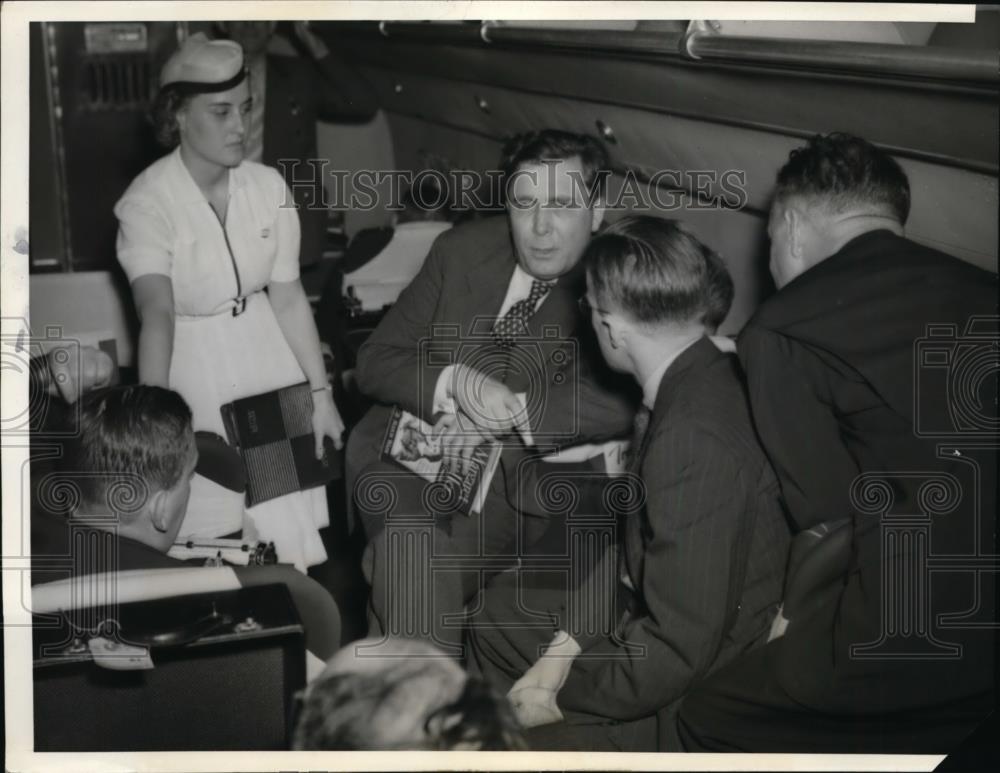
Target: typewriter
219 552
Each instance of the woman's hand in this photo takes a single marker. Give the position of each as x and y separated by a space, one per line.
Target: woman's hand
326 421
295 318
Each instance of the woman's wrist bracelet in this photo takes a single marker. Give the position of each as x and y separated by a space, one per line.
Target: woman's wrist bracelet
326 388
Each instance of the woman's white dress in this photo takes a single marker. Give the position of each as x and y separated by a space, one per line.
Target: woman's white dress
167 226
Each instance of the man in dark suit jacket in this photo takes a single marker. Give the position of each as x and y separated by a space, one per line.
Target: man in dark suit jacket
492 314
848 368
291 91
701 562
128 469
129 465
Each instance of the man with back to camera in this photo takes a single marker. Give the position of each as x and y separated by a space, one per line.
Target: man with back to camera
496 301
131 462
135 447
701 562
836 392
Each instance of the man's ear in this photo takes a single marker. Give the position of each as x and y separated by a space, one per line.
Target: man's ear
159 510
794 224
597 215
617 330
612 336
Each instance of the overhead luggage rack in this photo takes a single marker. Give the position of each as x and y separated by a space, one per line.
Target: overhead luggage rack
702 44
938 62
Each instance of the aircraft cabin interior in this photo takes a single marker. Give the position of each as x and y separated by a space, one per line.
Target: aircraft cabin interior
695 117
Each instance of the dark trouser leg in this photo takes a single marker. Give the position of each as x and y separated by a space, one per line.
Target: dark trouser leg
364 446
806 692
743 708
523 608
513 626
423 567
509 636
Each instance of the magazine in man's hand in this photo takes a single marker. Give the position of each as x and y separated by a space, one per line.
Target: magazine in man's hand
410 442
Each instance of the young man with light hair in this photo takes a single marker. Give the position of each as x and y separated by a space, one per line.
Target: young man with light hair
700 563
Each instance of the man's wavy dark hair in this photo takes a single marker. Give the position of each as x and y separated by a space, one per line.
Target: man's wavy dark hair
550 145
845 172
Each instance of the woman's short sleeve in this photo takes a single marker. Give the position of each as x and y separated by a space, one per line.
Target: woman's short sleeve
145 242
289 233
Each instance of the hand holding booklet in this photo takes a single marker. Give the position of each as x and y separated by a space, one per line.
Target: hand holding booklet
411 443
273 433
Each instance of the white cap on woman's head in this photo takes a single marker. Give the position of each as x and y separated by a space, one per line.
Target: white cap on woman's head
204 65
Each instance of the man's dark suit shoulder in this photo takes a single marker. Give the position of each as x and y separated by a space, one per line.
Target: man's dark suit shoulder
876 267
52 540
862 310
709 398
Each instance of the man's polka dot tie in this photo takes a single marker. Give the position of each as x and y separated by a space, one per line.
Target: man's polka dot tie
515 321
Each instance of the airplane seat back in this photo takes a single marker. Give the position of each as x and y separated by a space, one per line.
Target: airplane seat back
357 148
180 659
91 307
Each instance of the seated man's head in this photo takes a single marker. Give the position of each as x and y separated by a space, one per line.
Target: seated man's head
416 698
134 458
834 188
554 187
650 286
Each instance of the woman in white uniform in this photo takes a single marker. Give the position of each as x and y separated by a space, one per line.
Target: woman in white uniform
202 234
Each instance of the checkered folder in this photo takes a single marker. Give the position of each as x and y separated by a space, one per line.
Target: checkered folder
273 433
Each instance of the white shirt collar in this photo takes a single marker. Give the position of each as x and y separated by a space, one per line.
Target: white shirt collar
527 280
